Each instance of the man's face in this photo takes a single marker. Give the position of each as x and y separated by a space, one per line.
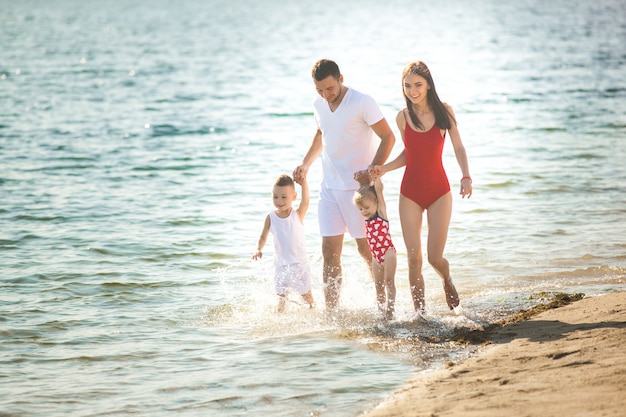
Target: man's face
329 88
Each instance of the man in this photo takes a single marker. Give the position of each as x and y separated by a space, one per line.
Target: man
346 120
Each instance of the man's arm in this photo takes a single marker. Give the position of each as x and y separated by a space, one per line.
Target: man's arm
387 140
299 174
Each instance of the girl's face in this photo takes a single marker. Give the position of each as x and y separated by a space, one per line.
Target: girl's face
367 207
416 88
283 197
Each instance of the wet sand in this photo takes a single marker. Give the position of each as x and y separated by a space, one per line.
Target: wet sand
565 361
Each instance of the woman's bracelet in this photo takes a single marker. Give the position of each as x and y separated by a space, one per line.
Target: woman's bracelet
467 178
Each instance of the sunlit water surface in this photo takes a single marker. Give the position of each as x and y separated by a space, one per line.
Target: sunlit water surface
138 142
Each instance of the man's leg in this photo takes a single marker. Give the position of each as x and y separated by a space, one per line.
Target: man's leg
365 252
331 252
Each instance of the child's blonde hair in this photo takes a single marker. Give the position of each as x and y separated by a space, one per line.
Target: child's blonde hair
363 193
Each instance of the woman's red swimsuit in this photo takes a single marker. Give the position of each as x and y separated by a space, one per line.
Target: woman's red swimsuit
425 179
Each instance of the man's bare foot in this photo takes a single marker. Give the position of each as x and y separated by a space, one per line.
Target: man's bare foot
389 313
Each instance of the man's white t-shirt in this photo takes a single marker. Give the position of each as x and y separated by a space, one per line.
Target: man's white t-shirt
348 140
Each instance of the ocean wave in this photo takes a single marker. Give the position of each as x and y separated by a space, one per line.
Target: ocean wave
29 217
172 130
299 114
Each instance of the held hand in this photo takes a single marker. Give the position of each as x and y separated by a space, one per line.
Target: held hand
376 171
466 187
362 177
299 174
257 255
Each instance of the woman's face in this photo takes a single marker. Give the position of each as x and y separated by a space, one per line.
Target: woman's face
416 88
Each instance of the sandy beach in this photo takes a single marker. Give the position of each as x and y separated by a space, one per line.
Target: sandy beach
566 361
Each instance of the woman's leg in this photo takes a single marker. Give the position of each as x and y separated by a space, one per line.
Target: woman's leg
411 221
438 215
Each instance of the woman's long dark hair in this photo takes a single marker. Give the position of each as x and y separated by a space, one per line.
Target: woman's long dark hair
443 119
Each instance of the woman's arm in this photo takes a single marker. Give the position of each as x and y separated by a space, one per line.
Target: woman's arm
461 155
400 160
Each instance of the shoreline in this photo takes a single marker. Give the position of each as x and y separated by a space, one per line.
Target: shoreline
562 358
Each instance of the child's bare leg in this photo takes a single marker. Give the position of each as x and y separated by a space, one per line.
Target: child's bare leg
378 273
308 298
390 283
282 299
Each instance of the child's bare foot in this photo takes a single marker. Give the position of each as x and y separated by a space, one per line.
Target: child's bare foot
308 298
282 299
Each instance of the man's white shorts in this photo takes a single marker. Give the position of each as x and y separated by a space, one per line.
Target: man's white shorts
337 214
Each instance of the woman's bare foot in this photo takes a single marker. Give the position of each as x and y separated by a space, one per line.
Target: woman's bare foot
452 297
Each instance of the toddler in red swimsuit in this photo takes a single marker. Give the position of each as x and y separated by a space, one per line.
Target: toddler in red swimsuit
371 203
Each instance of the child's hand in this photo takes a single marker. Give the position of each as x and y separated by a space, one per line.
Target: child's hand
299 174
362 177
375 171
257 255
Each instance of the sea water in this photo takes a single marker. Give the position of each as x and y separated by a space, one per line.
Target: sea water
138 144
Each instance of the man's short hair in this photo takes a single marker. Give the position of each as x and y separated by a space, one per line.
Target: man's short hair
324 68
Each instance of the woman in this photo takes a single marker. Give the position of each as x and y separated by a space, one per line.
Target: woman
423 125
